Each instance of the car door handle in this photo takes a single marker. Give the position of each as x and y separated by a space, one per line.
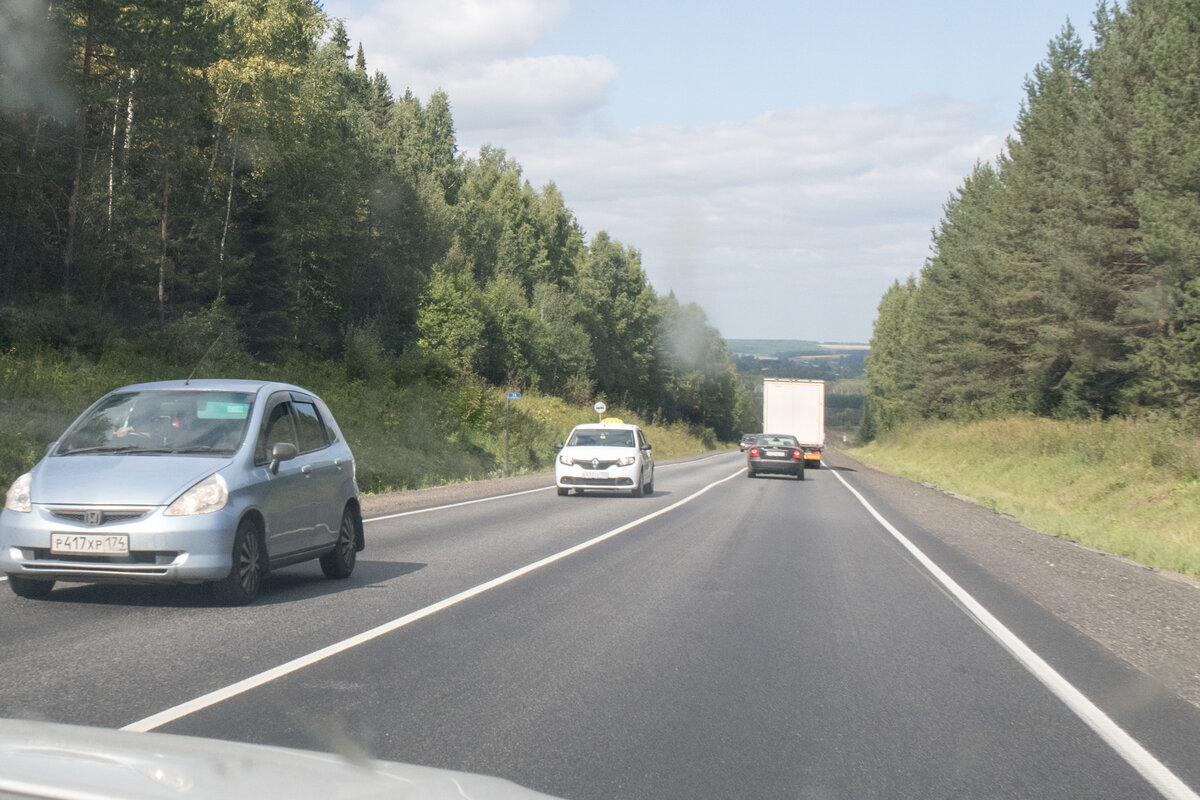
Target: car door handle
306 469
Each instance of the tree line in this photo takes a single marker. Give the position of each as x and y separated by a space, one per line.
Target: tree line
1064 278
235 160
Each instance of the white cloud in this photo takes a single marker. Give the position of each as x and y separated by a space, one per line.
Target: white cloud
805 206
435 35
477 52
553 91
816 208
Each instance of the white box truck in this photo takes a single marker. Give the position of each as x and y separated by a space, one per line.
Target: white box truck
796 407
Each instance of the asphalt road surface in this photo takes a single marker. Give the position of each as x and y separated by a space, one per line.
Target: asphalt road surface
724 638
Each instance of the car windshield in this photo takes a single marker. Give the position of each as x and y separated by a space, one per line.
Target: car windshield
777 440
594 437
161 421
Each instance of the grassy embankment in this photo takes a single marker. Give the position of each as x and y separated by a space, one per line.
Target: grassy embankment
1130 488
406 432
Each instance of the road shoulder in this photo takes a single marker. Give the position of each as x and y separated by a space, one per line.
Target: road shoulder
1147 617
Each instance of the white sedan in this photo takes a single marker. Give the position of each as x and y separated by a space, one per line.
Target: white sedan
610 456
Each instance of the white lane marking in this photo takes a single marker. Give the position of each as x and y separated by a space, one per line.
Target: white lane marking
456 505
1126 746
398 514
262 678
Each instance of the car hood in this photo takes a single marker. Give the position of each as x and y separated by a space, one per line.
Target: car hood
44 759
118 480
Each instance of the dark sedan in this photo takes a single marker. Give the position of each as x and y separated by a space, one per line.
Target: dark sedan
775 453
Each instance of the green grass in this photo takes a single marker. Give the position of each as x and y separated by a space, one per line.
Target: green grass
1126 487
406 431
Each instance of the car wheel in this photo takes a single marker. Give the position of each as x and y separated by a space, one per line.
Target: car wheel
563 492
800 474
751 473
29 587
242 583
638 490
650 486
339 563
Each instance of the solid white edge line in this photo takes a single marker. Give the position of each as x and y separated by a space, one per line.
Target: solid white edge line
1125 745
262 678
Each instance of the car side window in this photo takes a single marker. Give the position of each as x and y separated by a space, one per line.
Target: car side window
312 431
277 427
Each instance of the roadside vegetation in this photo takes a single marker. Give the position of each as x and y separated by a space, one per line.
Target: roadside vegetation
406 431
1126 487
1046 359
1064 278
231 175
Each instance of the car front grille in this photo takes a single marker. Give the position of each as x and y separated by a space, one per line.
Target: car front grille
573 481
95 517
595 464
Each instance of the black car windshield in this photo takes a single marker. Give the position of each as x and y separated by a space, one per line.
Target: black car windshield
162 421
777 440
596 437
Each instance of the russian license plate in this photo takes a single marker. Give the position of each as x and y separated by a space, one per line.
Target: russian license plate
90 544
592 473
776 453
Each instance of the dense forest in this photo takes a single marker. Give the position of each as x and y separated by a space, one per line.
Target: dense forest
1064 278
172 170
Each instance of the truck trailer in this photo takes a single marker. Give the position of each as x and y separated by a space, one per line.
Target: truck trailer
796 407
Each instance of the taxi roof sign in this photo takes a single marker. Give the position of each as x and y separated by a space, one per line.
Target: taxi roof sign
612 421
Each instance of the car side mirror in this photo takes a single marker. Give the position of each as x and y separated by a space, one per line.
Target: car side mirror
282 451
646 446
558 446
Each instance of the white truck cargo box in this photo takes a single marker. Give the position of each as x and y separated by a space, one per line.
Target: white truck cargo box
796 407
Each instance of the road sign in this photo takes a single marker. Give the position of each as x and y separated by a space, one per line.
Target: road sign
514 395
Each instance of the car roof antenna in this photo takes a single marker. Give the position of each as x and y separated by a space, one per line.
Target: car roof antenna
188 380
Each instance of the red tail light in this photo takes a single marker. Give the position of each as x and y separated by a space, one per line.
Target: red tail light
797 454
754 452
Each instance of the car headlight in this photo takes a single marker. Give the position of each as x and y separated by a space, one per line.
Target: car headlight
625 461
17 498
205 497
570 462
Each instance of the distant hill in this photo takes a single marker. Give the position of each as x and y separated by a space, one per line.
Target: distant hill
788 348
793 358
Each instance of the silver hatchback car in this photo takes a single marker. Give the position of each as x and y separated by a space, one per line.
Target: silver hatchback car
215 481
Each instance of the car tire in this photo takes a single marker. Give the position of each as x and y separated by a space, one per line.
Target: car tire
638 490
30 588
800 474
245 576
563 492
751 473
649 489
339 562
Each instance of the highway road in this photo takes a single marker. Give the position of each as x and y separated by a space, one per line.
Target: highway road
723 638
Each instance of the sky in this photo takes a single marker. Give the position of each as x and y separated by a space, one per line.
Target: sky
780 164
